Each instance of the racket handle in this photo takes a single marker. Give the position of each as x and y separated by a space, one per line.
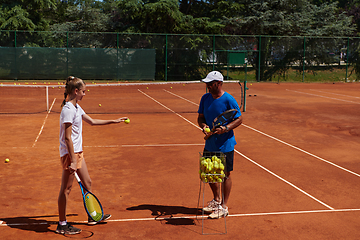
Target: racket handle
77 177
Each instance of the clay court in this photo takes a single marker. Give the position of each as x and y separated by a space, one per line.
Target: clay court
296 173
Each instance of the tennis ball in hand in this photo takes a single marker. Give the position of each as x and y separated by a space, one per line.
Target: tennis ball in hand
7 160
207 130
127 120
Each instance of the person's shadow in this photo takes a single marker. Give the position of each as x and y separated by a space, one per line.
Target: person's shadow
37 224
168 213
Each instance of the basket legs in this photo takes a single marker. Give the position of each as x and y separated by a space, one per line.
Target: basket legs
212 223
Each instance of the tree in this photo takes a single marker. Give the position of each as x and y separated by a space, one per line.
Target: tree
286 18
26 14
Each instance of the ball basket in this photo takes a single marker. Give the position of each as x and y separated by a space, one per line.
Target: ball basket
212 167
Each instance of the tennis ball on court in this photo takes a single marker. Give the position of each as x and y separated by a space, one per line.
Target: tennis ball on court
7 160
99 104
127 120
207 129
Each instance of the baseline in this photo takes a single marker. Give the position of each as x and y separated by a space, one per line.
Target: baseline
2 224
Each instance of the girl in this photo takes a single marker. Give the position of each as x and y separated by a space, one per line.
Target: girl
71 152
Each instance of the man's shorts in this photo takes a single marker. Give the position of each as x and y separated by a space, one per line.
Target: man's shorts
66 160
229 160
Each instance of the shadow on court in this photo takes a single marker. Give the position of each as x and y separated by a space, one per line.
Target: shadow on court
168 213
37 224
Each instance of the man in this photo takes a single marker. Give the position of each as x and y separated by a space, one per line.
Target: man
222 139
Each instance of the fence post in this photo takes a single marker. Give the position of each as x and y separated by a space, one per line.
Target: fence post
259 54
117 56
347 58
166 49
67 53
213 52
16 68
303 75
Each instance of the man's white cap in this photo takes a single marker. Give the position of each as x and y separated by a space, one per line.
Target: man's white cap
213 76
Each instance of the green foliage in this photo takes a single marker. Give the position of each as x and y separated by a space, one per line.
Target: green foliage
15 18
83 18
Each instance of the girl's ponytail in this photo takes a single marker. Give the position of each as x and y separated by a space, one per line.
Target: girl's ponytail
71 84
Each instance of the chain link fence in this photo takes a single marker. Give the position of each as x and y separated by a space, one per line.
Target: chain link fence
168 57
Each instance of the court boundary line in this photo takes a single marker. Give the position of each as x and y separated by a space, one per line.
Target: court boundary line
303 151
316 95
257 164
3 224
43 125
284 180
288 144
170 109
334 93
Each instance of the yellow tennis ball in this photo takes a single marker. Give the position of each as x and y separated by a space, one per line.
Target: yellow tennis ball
99 104
127 120
207 129
7 160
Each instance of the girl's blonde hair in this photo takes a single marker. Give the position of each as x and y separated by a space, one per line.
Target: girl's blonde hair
72 83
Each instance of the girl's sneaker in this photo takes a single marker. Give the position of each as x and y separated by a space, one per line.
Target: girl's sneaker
67 229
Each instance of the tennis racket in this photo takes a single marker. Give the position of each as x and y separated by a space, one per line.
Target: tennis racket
91 203
221 120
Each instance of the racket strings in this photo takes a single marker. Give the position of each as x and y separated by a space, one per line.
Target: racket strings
224 118
93 206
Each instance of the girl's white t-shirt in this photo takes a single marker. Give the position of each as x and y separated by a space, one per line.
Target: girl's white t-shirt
73 115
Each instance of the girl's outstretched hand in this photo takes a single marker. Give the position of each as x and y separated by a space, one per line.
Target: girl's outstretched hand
122 119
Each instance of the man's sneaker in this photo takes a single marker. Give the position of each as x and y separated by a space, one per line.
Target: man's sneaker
212 206
67 229
92 222
219 213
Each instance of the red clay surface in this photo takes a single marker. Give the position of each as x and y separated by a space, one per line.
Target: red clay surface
296 172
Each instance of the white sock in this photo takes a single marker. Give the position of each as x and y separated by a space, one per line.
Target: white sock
63 223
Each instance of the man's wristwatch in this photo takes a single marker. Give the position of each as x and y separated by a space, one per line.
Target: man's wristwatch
226 128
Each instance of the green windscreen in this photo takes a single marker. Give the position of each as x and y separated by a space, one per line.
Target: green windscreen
87 63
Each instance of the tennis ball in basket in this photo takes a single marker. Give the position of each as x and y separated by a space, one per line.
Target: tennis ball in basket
127 120
207 129
7 160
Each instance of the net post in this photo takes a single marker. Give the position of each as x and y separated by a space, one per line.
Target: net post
47 98
245 88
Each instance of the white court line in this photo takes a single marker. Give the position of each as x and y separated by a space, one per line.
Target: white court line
2 224
301 150
334 93
288 144
170 109
42 127
149 145
282 179
338 99
277 176
181 97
